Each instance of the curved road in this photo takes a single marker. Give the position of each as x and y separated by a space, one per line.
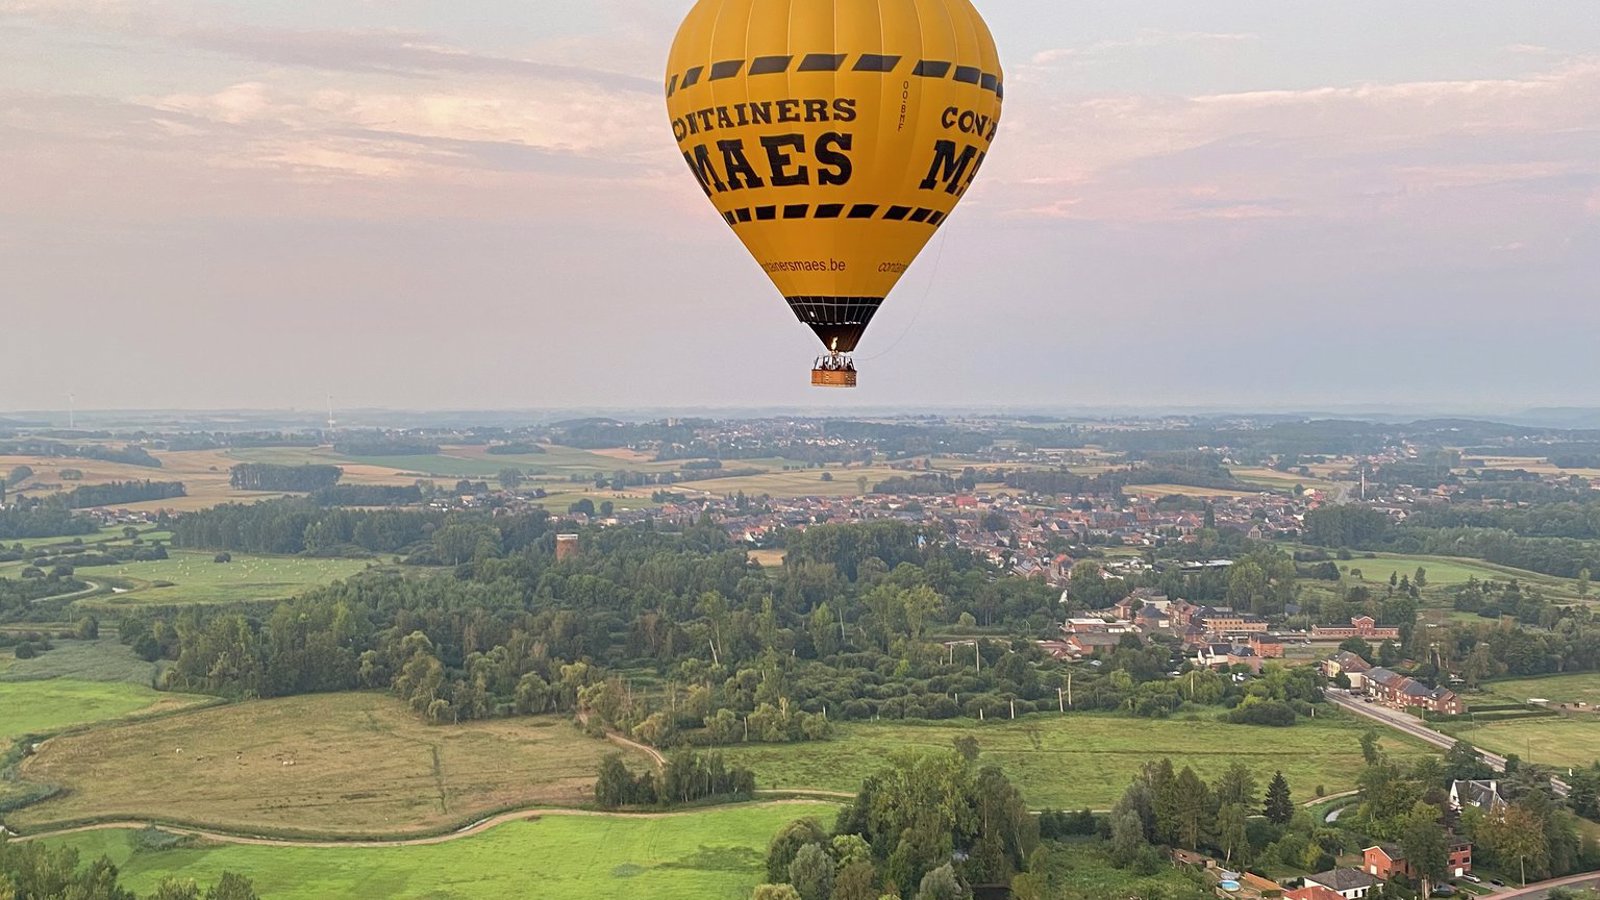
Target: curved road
1411 725
475 828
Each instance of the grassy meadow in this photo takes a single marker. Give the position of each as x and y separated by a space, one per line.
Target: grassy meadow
346 764
1580 688
44 707
714 854
189 576
1554 741
1082 759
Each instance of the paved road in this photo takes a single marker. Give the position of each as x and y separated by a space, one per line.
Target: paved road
1404 721
1541 890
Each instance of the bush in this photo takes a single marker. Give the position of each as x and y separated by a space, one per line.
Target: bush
1274 713
26 650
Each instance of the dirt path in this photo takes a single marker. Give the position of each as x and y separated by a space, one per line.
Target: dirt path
472 830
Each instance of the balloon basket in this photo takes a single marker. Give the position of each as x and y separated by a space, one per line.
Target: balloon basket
834 371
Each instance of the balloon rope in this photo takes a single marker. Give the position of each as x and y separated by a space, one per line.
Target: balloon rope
933 278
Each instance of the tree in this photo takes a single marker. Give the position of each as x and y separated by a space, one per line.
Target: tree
1357 646
857 880
1583 583
786 845
811 873
510 478
173 889
1233 835
1237 786
232 887
967 746
942 884
1370 751
1191 797
1280 807
1421 578
1127 836
615 786
775 892
1422 838
1463 762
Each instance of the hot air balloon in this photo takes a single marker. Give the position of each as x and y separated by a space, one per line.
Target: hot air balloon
834 137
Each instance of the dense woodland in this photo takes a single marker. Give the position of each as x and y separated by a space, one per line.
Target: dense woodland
270 477
117 493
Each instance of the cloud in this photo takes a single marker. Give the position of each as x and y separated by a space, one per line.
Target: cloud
393 52
1324 152
1145 39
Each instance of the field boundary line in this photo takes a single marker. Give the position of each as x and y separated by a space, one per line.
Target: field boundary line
374 843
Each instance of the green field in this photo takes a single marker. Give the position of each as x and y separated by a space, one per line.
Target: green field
1084 759
1558 689
326 764
1561 742
194 577
1447 571
707 855
44 707
105 659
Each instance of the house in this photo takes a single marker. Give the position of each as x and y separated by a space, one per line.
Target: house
1484 795
1364 627
1313 892
1351 884
1267 646
1226 656
1348 664
1218 622
1092 643
1254 886
1384 861
1399 690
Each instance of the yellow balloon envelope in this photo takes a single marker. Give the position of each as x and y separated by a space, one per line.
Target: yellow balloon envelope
834 137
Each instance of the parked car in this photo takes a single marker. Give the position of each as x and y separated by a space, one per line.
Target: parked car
1497 882
1473 878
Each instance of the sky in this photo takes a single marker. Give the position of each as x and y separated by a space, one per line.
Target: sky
478 204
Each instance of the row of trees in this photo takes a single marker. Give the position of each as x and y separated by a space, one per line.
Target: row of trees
116 493
688 777
38 871
270 477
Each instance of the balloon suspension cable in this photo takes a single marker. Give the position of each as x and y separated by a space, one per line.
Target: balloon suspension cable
927 292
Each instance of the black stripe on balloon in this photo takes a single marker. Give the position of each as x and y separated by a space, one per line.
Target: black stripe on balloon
893 213
969 74
770 65
875 62
691 77
822 62
672 86
726 69
990 82
932 69
1000 90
